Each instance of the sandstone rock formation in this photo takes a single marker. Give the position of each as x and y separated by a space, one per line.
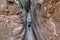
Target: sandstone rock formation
45 18
10 21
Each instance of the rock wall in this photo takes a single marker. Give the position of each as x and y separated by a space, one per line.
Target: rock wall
45 15
11 23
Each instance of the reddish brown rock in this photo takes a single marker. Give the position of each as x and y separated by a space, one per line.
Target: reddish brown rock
12 25
8 8
12 9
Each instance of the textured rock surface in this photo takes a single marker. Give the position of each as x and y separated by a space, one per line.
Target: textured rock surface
10 26
10 22
46 11
45 24
56 17
8 7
